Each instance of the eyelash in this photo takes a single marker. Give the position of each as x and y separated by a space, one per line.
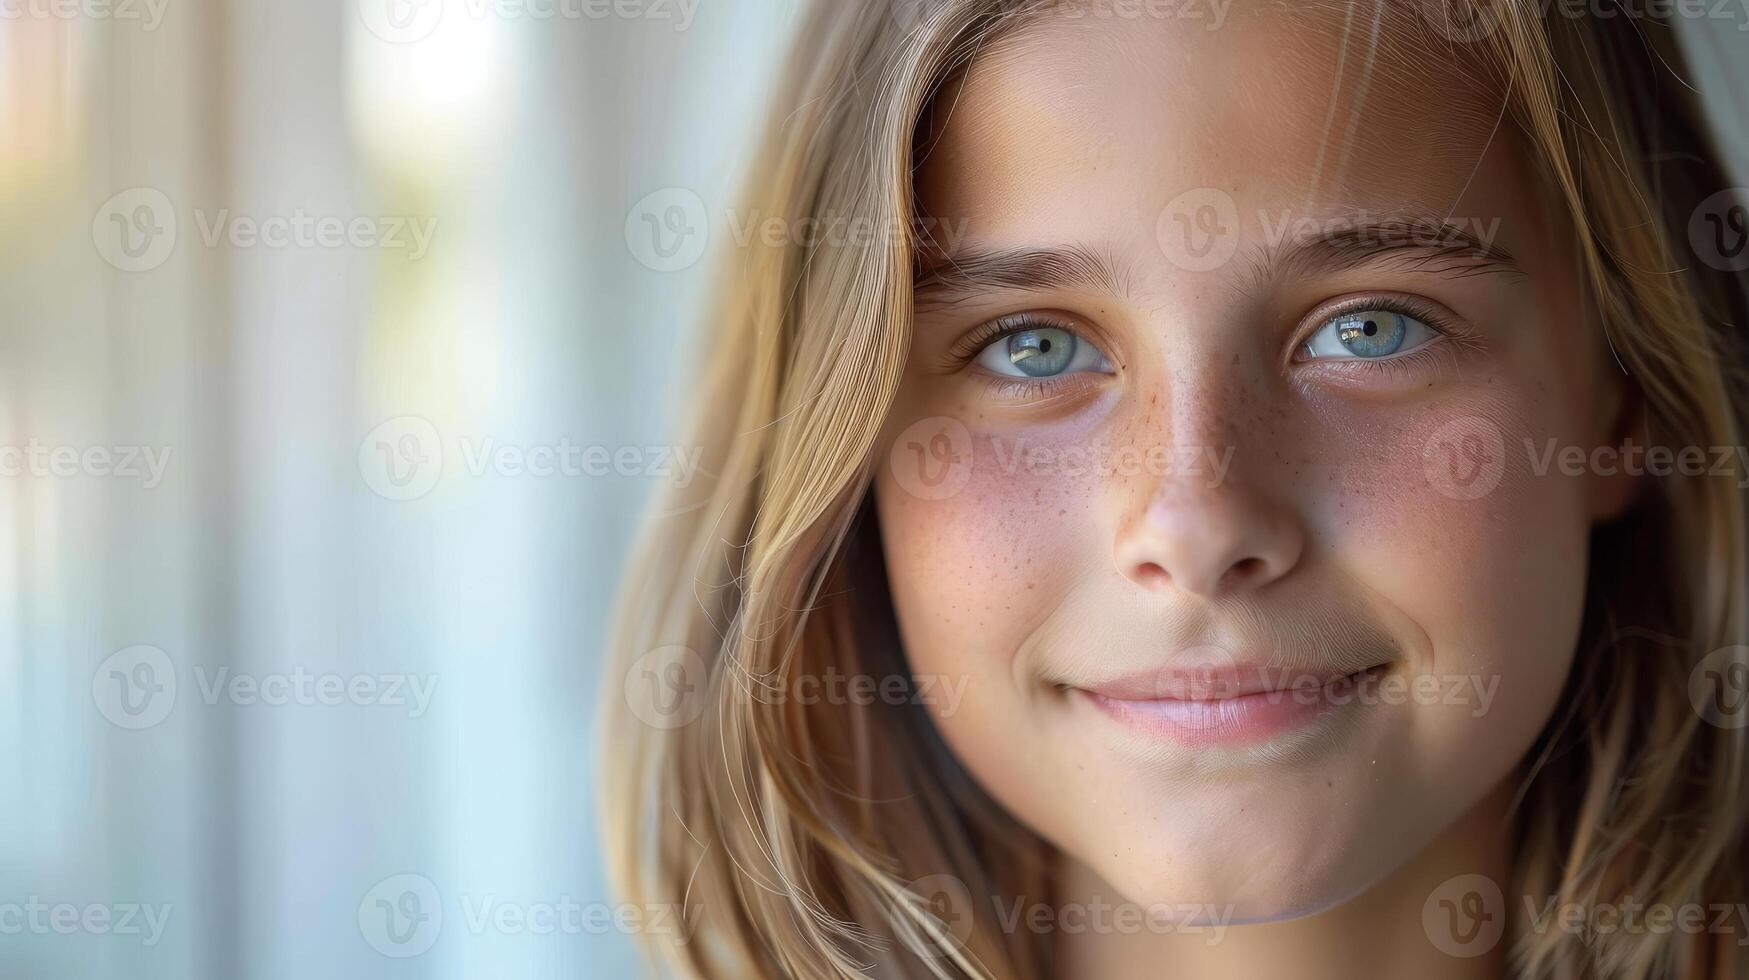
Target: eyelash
968 347
1449 331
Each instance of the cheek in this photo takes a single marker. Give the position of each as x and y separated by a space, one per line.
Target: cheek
978 558
1476 551
983 534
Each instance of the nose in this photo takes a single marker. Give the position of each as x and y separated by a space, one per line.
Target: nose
1219 544
1208 536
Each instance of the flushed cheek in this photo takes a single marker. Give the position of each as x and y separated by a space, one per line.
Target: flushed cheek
1444 519
1440 479
983 533
978 563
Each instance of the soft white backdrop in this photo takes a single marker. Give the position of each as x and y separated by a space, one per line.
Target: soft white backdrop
283 380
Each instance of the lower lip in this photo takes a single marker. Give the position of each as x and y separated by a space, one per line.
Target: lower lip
1244 720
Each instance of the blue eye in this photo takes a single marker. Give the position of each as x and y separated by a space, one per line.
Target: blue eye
1041 352
1368 335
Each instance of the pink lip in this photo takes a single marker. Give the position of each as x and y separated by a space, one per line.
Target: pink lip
1224 706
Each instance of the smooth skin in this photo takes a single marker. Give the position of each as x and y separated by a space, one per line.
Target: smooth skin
1340 532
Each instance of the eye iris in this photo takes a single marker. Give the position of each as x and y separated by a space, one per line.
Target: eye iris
1041 353
1371 333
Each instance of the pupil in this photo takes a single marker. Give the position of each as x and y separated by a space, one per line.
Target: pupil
1370 328
1044 347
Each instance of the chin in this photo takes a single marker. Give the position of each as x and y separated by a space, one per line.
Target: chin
1257 856
1210 889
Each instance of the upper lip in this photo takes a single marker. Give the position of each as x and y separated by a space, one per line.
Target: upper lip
1217 679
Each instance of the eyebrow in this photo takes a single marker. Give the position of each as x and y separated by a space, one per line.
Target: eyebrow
975 270
1438 247
1435 246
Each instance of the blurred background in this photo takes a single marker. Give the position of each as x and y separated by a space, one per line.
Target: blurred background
338 349
331 386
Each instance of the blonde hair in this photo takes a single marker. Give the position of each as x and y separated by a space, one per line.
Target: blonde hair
791 830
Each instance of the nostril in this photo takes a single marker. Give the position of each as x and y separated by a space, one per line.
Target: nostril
1246 569
1151 575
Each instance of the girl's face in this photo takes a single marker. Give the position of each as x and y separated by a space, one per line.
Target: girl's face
1221 466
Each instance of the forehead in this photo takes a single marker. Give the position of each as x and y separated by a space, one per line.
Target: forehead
1294 106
